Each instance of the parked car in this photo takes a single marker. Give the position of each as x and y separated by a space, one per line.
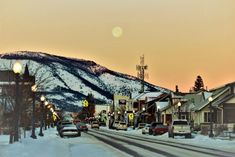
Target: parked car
121 126
95 124
82 126
69 129
152 126
145 130
115 124
60 125
160 129
141 125
179 127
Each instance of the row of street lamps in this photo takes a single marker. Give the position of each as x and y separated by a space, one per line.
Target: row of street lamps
17 69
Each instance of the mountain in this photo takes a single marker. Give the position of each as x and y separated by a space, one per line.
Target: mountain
67 81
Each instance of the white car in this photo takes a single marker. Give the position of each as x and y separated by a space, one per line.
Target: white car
179 127
95 124
121 126
145 130
69 129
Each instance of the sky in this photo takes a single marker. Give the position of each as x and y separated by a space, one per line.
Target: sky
179 38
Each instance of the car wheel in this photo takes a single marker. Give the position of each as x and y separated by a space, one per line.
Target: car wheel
188 136
154 133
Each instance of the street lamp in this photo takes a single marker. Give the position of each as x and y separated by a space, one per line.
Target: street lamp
210 99
143 108
17 68
34 89
45 114
158 113
179 105
42 98
119 115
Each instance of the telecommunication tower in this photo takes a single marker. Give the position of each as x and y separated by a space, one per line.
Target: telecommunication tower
141 74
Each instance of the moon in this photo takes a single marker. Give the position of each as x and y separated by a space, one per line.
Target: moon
117 32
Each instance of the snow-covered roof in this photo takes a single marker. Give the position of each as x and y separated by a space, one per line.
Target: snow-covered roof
148 95
161 105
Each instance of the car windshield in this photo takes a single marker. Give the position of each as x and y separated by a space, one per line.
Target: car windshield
180 123
68 125
142 124
157 123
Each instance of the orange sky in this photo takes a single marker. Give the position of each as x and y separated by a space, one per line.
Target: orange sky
180 38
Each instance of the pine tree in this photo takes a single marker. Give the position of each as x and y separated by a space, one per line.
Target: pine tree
199 85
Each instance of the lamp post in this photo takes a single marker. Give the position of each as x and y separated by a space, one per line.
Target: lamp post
119 115
17 68
41 115
158 113
33 135
45 114
210 99
179 113
143 114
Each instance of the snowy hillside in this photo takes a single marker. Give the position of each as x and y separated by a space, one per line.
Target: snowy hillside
68 81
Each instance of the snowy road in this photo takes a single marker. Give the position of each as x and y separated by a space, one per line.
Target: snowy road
103 143
142 147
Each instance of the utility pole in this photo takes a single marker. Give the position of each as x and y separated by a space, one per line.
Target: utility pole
141 72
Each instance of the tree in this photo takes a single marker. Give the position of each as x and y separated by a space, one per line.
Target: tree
199 85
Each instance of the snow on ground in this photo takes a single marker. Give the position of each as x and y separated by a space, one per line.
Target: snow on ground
51 145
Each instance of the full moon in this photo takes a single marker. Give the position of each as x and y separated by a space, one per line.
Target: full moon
117 32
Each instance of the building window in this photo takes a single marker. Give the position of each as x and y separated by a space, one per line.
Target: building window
207 117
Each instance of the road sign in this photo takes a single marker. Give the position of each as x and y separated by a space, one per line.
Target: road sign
85 103
131 116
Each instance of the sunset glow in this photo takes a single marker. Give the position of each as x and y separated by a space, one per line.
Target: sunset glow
180 39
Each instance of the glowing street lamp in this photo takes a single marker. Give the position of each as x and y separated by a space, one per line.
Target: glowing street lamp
45 114
143 108
210 99
17 68
42 98
34 89
179 105
158 113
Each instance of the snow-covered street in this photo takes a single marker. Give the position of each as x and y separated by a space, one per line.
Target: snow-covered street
112 143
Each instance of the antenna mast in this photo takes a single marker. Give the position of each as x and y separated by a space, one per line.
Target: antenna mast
141 72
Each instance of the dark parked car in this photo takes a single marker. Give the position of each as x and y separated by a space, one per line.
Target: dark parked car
82 126
152 126
141 125
160 129
69 129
